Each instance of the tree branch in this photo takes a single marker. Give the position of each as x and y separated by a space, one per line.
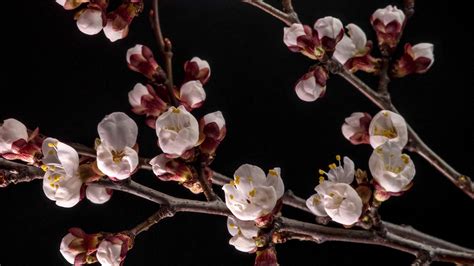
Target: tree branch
14 173
397 237
288 17
415 144
165 211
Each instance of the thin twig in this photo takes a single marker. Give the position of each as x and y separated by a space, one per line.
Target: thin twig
205 185
415 144
287 18
409 8
166 50
14 173
165 211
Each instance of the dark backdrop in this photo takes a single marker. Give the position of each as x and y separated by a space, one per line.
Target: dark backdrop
65 82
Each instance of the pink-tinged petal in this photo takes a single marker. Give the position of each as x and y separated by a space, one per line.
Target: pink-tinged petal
98 195
158 164
328 27
135 50
114 34
136 94
389 14
291 34
315 205
11 131
274 180
242 243
357 36
109 254
90 21
119 167
215 117
387 126
192 94
424 50
68 253
345 50
117 130
308 89
247 176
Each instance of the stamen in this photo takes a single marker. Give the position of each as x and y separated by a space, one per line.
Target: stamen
321 179
338 157
252 192
405 158
44 167
237 180
273 172
117 156
175 110
231 196
332 166
321 172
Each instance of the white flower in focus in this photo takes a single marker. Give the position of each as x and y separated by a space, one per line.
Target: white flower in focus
337 200
389 14
192 94
177 131
115 154
291 34
329 27
10 131
388 126
114 34
252 195
109 254
90 21
98 195
392 169
243 234
352 45
61 182
340 173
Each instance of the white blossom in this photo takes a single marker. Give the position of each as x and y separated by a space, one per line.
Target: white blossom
243 234
388 126
329 27
192 94
423 50
351 45
61 182
114 34
177 130
98 195
252 195
136 94
115 154
90 21
215 117
389 14
291 34
11 131
68 253
392 169
109 254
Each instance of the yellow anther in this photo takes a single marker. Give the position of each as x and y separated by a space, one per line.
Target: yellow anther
338 157
273 172
52 144
117 156
405 158
321 172
232 183
232 225
385 114
231 196
321 179
44 167
379 150
389 133
331 194
316 200
51 152
252 192
332 166
237 180
175 110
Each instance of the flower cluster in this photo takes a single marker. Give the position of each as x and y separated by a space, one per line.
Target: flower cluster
327 39
79 248
387 133
94 18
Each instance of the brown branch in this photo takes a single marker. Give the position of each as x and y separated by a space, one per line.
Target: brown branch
399 238
14 173
166 50
288 17
409 7
165 211
206 186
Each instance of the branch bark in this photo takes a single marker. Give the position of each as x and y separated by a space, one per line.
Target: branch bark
415 144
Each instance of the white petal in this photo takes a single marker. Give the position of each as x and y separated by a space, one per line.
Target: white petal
135 95
232 226
357 36
68 253
242 243
424 50
108 254
246 228
238 205
328 27
192 93
389 14
11 131
309 90
202 64
265 199
349 210
65 190
315 205
388 126
112 34
117 130
345 50
97 195
291 34
274 180
90 21
119 169
61 2
137 49
215 117
158 164
247 176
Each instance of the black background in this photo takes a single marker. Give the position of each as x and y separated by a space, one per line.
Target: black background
64 82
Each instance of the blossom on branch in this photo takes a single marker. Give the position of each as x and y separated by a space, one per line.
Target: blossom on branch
356 128
120 19
335 197
214 130
251 194
387 126
353 51
391 169
91 20
71 4
330 31
116 154
145 100
192 94
15 144
113 250
243 234
388 23
78 248
197 69
416 59
167 169
140 59
98 195
61 182
177 131
312 85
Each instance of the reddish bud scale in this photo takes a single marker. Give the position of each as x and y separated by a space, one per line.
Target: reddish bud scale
192 72
387 35
407 64
266 257
26 150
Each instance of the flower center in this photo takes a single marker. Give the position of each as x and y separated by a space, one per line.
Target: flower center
117 156
54 180
386 132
